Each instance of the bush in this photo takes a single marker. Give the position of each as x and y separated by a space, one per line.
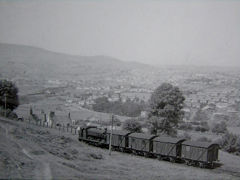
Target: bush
219 127
198 128
185 126
116 122
10 114
131 108
132 125
230 143
172 132
196 123
185 136
202 128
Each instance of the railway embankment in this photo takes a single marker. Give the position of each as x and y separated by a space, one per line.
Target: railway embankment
36 152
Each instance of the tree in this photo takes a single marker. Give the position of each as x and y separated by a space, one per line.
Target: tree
129 108
166 105
132 125
8 92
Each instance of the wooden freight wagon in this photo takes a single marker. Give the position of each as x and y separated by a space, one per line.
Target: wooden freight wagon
140 143
167 148
199 153
119 139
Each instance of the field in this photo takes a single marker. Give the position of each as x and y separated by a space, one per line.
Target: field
33 152
61 110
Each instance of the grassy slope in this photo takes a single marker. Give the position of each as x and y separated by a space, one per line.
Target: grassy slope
61 111
28 151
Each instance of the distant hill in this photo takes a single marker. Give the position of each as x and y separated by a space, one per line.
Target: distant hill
37 63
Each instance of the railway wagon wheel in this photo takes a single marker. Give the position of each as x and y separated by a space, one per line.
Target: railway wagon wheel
188 162
134 152
211 165
202 165
146 154
159 157
172 160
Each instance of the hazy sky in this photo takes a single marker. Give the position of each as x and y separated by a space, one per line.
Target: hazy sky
196 32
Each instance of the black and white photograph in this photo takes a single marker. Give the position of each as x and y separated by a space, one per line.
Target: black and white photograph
120 89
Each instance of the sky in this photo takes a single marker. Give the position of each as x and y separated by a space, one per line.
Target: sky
164 32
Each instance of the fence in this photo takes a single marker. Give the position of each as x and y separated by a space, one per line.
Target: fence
59 127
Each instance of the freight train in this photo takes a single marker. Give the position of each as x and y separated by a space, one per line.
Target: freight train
195 153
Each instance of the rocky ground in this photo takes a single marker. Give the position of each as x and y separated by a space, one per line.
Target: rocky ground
32 152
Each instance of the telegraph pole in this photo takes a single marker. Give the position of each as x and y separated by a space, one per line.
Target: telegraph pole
5 102
110 143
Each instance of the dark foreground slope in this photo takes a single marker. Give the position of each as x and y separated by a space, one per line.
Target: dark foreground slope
28 151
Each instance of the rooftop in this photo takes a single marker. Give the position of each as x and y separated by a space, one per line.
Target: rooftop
168 139
142 136
199 144
119 132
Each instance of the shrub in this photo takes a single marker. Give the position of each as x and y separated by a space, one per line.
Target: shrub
202 128
172 132
185 136
132 125
185 126
10 114
219 127
230 143
131 108
198 128
196 123
116 122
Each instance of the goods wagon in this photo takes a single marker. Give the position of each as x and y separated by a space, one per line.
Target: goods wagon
119 139
140 143
199 153
167 147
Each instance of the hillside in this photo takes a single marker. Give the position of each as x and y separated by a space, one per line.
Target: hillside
61 82
34 70
32 152
19 61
